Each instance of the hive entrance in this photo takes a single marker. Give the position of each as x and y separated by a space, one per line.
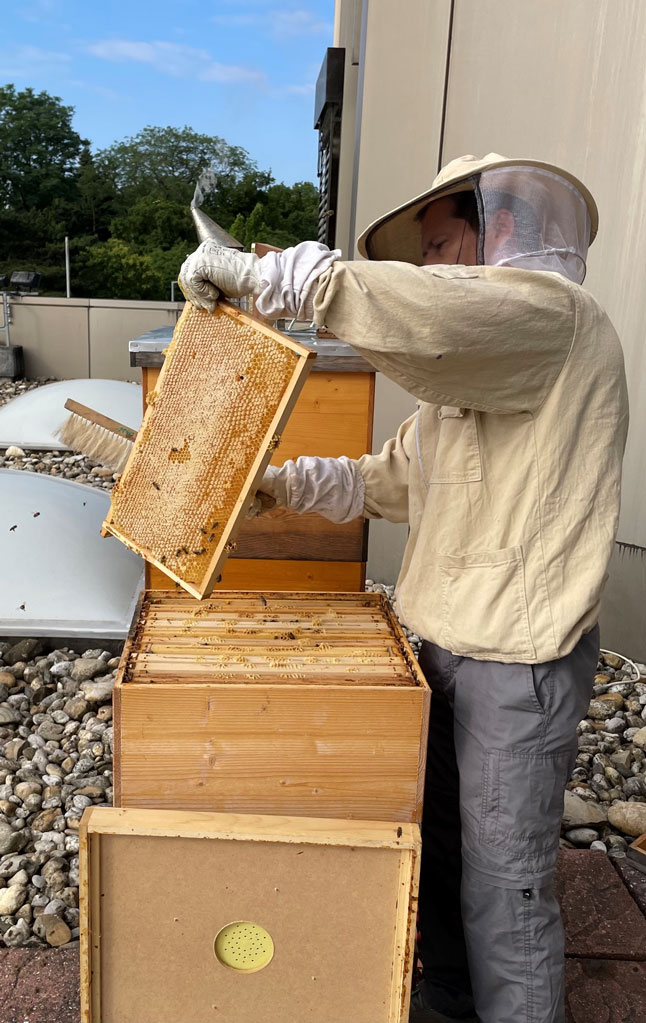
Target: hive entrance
223 396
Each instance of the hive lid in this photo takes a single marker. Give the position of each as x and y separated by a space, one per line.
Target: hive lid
60 577
274 638
224 394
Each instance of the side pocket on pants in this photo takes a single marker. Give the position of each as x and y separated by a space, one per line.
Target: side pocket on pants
522 803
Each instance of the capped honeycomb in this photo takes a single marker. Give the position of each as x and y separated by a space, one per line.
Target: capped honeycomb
223 396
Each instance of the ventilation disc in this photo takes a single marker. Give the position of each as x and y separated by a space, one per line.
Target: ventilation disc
244 947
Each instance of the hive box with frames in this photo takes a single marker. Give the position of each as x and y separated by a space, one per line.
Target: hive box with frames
198 917
289 703
223 396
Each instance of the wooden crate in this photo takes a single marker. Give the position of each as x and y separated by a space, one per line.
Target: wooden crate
225 392
159 891
636 853
299 704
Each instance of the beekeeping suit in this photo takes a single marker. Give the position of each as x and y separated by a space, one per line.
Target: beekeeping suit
508 474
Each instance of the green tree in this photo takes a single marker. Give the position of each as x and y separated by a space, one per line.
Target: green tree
114 269
40 154
39 150
167 162
126 208
97 196
154 222
283 216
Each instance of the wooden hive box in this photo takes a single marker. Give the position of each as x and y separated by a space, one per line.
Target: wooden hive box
274 703
199 917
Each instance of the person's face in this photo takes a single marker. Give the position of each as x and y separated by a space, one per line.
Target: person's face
445 238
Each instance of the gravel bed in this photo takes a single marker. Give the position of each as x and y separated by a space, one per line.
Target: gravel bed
55 760
59 463
66 464
13 388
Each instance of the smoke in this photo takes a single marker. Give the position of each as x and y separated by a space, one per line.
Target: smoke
206 183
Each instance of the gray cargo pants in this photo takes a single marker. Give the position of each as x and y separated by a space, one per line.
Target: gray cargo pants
502 745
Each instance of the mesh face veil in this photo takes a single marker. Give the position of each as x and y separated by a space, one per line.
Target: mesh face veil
550 229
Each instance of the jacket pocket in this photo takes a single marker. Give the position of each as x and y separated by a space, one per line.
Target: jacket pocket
457 456
484 606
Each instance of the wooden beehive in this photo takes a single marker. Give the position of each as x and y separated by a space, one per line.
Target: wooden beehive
279 703
222 399
196 917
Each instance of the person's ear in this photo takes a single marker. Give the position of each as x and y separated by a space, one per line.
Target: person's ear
502 224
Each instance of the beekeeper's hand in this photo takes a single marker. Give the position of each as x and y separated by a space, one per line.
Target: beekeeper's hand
261 503
332 487
284 282
212 269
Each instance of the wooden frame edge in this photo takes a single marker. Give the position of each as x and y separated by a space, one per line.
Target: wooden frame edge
290 396
358 834
90 921
405 933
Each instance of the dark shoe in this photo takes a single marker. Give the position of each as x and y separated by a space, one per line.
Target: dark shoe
436 1006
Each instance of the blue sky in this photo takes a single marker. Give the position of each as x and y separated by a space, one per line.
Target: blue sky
241 69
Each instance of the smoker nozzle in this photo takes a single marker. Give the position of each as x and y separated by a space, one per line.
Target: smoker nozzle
207 230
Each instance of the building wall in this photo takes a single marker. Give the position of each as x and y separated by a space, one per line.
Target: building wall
68 338
564 82
389 152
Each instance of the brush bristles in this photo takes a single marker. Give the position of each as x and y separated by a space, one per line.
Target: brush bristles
95 442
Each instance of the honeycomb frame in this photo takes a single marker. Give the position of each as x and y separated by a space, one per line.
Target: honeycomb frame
227 387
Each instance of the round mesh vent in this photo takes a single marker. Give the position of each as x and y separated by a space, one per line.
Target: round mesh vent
244 946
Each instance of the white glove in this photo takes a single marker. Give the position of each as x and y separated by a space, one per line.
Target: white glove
332 487
285 282
212 269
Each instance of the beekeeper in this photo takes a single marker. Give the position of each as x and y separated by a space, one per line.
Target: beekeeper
508 474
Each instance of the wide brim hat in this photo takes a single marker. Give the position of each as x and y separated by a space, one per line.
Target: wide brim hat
396 235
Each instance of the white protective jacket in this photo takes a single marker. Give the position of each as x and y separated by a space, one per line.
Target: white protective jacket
509 472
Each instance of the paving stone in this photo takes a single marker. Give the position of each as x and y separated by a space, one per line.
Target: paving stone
39 985
601 919
602 991
634 879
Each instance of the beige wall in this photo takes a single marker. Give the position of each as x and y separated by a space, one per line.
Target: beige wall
402 86
556 80
79 337
389 150
565 82
347 33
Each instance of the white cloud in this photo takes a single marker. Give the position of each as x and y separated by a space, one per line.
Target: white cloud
101 90
297 90
40 10
297 23
227 73
27 61
237 20
281 23
175 59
